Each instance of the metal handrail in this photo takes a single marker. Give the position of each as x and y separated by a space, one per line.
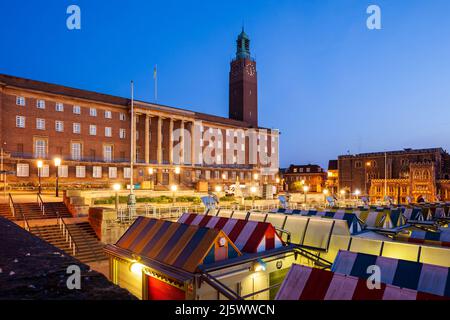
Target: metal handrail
66 232
219 286
11 205
41 203
26 225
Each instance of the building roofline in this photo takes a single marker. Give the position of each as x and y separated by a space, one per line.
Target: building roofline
51 88
395 152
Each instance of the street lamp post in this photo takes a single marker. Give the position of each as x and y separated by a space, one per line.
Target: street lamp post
325 194
218 189
305 191
357 193
177 172
3 171
39 166
150 173
57 162
174 189
342 192
116 188
367 165
253 191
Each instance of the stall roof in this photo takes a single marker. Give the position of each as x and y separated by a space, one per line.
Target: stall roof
305 283
412 275
248 236
179 245
441 238
354 224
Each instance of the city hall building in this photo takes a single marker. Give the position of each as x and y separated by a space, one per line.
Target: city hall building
91 133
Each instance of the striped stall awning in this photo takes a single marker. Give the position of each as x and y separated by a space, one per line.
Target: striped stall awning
439 238
179 245
412 275
373 219
306 283
354 224
412 214
248 236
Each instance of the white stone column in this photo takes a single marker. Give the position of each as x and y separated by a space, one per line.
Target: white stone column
147 139
182 142
192 143
159 141
171 141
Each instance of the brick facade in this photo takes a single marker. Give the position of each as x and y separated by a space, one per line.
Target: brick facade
401 174
20 143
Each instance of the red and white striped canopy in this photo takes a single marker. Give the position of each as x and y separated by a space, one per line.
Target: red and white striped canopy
305 283
247 236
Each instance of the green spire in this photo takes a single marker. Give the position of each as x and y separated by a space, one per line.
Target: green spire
243 46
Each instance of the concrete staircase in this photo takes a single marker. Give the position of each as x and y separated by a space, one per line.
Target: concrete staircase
5 211
32 211
87 246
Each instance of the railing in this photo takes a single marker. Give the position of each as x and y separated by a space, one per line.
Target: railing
11 205
26 226
66 233
313 257
126 214
219 286
41 204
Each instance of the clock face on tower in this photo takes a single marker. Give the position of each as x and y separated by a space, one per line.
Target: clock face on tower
250 70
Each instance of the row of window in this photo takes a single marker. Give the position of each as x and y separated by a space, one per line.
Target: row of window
308 169
23 170
76 127
40 150
59 107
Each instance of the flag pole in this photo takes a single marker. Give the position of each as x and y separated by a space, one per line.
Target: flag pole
132 137
131 196
155 77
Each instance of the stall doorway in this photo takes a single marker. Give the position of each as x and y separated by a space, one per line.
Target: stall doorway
160 290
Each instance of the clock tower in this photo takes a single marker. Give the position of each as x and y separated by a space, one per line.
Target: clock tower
243 98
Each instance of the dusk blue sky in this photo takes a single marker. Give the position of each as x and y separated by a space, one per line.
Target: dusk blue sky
326 81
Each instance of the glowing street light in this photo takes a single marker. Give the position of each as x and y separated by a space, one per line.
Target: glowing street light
218 188
177 172
57 162
368 164
305 190
40 164
357 192
174 189
116 188
255 176
325 191
224 176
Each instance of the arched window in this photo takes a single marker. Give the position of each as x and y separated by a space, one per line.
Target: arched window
417 174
